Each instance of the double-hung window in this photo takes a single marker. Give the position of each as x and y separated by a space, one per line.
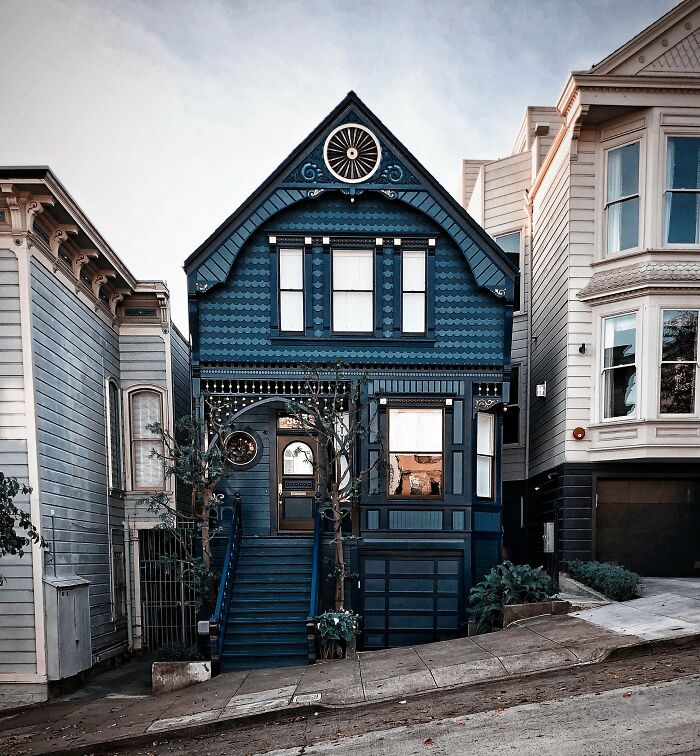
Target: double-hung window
620 366
146 442
116 479
511 412
353 290
679 362
682 197
485 454
291 285
413 291
622 198
511 245
416 452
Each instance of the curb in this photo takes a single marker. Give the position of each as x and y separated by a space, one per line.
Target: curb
296 710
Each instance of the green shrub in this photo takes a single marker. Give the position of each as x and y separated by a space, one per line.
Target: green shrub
612 581
506 584
178 652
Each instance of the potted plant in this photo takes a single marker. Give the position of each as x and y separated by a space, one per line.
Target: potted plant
337 631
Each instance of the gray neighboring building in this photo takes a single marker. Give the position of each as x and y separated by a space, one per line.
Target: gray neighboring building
88 357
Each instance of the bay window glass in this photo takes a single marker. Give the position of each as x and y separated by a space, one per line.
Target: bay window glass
147 467
416 452
511 412
679 362
115 437
291 284
510 244
413 291
353 290
619 366
485 454
622 198
682 197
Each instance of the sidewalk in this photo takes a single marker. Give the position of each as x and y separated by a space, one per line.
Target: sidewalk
536 645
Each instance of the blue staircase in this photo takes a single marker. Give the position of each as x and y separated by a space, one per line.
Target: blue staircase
265 625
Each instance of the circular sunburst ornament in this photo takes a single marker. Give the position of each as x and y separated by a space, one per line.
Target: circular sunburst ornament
352 153
242 447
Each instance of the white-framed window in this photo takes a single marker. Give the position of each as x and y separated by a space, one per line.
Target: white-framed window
413 299
485 454
622 198
679 362
511 412
114 432
353 291
147 469
511 244
682 190
619 378
416 465
291 290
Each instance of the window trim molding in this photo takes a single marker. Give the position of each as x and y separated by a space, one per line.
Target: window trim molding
165 422
402 291
350 334
638 364
661 308
492 457
278 255
667 131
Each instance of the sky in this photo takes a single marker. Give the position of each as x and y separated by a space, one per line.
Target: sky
160 118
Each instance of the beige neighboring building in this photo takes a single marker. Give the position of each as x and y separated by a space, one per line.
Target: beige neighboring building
600 202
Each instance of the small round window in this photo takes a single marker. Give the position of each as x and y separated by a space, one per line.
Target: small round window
242 448
298 459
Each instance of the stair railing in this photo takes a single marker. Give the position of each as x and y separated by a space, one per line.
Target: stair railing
315 584
217 622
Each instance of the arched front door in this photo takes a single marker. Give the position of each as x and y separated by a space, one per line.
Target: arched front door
296 481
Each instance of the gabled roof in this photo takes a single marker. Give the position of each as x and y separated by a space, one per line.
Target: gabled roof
303 175
671 45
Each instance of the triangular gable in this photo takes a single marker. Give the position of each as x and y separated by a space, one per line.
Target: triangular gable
304 175
671 45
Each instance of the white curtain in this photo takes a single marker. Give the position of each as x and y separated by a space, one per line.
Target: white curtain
415 430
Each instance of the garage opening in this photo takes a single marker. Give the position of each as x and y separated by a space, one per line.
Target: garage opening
649 525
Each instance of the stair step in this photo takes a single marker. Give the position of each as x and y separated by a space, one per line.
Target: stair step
279 650
236 663
257 638
248 567
280 579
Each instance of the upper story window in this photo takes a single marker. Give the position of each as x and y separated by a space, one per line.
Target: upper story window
114 418
291 285
511 412
413 291
511 245
485 454
146 468
682 197
679 362
353 290
416 453
622 198
620 366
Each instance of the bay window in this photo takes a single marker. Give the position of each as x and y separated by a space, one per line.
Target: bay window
620 366
485 454
682 196
291 286
146 466
413 291
510 244
511 412
679 362
622 198
416 453
353 290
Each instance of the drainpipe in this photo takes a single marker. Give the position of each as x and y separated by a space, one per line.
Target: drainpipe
127 573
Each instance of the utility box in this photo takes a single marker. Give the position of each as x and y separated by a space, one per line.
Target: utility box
548 537
68 643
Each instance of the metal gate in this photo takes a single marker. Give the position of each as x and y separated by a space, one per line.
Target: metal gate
168 602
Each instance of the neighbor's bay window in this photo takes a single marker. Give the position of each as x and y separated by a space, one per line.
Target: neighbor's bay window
620 366
353 290
511 412
116 479
416 452
413 291
146 466
291 286
622 198
679 362
682 197
485 454
510 244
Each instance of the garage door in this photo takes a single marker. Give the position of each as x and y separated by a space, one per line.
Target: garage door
409 599
651 526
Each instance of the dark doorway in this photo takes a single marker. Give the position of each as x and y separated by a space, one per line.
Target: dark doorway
296 481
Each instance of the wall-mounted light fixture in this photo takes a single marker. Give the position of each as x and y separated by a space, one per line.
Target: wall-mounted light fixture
582 349
541 390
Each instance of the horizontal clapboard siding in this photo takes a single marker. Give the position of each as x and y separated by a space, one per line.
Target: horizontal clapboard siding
142 360
181 397
75 351
17 636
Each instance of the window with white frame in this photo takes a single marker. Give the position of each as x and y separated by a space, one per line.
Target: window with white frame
291 286
416 452
511 245
353 290
622 198
485 454
620 366
511 412
114 419
147 470
679 362
682 197
413 291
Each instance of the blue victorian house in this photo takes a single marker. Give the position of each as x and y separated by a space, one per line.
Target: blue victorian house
351 252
